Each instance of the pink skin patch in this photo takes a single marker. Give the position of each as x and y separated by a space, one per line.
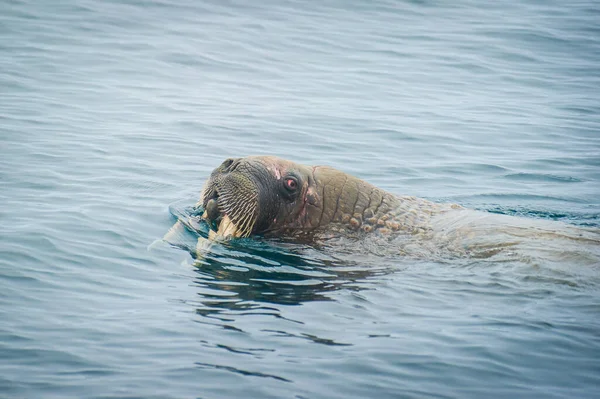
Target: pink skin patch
273 169
307 193
273 165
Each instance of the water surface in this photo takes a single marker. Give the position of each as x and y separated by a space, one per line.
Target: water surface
111 111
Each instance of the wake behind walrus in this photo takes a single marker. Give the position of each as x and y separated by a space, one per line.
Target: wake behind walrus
272 197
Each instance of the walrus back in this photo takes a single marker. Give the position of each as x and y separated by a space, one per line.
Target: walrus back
482 234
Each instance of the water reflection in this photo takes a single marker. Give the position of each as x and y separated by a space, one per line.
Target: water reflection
248 276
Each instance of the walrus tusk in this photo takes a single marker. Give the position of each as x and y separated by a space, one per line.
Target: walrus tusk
227 229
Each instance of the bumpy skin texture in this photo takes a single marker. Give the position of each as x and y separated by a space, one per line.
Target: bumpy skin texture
325 200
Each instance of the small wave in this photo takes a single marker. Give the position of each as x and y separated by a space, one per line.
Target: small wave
542 177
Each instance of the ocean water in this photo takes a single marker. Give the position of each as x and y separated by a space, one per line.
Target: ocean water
113 113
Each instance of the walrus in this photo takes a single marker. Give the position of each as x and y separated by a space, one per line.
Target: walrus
268 196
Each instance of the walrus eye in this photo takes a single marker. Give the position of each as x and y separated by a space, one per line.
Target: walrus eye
291 184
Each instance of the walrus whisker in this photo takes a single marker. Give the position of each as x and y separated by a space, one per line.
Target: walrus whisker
243 225
240 211
246 214
247 225
247 208
242 228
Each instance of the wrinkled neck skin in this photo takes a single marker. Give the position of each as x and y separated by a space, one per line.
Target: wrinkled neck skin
349 214
335 203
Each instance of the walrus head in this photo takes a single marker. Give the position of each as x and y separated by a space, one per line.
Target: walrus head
265 195
255 195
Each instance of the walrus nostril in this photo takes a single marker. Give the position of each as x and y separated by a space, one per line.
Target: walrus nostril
227 163
230 164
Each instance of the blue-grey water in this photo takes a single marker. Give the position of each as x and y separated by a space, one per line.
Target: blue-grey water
113 111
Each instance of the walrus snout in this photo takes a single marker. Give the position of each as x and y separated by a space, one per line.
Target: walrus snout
230 199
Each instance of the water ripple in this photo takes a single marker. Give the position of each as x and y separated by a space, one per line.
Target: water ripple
111 110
